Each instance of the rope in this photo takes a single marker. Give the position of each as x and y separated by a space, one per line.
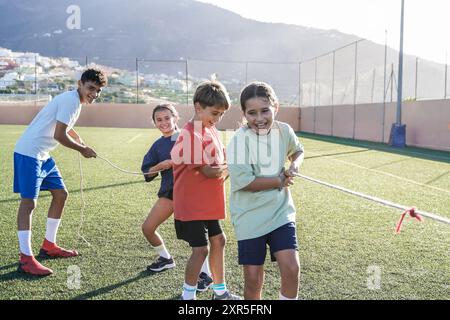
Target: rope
412 211
126 171
83 202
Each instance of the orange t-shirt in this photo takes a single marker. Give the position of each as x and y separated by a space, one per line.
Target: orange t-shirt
196 197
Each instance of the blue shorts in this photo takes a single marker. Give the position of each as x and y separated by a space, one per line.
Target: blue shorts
252 252
32 175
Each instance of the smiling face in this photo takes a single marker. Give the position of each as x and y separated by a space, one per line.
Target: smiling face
260 114
165 122
209 116
89 91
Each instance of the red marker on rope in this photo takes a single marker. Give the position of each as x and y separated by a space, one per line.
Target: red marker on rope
412 213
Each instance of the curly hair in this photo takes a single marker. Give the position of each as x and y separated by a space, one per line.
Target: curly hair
95 75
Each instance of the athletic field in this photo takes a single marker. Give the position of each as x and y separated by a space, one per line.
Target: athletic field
348 247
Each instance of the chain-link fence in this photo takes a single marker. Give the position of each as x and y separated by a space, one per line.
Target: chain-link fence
359 73
363 72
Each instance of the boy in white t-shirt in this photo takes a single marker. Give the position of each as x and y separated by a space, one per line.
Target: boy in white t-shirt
35 170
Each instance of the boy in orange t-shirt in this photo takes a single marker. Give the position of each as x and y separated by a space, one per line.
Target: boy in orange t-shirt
199 171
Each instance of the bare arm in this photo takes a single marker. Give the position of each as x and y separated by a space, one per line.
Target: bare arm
163 165
214 172
263 183
75 136
62 136
296 161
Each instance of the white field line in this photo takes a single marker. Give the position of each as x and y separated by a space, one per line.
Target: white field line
378 200
134 138
387 149
385 173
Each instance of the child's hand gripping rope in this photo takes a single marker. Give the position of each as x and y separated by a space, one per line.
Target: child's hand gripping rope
413 212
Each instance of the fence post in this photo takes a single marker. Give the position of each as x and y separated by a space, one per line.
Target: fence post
355 89
299 84
445 81
137 81
187 83
315 93
383 120
417 78
35 78
246 73
332 93
300 95
392 82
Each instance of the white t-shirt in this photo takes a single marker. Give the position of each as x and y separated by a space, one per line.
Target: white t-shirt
37 140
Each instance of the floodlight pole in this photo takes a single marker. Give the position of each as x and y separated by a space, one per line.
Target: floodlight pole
398 131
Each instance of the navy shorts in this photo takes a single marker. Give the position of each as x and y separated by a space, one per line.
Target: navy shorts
196 233
252 252
32 175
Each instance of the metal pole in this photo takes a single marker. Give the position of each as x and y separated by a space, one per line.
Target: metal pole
332 93
187 84
446 73
246 73
355 89
86 62
35 76
373 84
384 89
315 92
137 81
400 69
299 85
392 82
417 78
300 95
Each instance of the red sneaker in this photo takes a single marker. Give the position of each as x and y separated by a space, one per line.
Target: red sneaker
29 264
51 250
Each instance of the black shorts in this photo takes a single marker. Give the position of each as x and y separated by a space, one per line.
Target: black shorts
167 194
196 233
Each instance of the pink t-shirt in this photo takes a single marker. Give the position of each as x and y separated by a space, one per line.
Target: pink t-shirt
196 197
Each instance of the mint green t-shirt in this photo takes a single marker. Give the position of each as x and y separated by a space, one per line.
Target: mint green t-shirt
249 156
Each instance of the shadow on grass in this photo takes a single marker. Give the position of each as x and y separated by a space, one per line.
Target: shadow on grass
110 288
426 154
78 190
437 178
15 274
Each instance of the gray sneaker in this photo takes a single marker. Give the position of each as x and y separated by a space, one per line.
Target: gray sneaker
161 264
226 296
204 282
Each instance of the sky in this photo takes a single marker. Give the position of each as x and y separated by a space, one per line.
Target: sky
427 22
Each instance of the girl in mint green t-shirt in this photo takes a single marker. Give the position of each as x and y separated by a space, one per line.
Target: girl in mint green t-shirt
262 209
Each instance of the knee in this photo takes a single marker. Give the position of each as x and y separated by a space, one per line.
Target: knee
61 195
29 204
293 270
201 252
253 282
219 241
147 228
